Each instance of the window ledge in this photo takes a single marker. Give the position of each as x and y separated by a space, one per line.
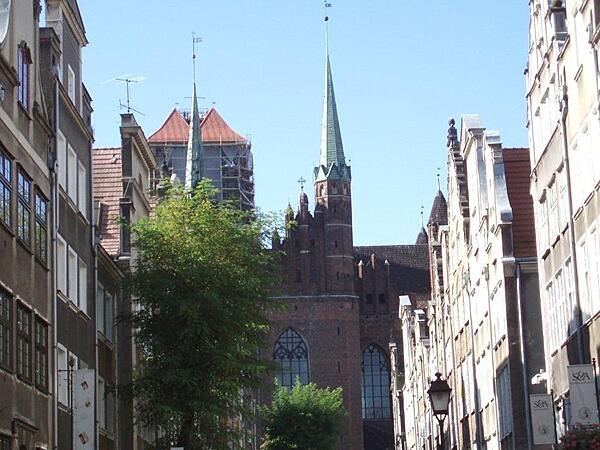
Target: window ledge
24 244
7 228
24 110
42 263
578 73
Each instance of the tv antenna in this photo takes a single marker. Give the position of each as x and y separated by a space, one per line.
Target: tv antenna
127 79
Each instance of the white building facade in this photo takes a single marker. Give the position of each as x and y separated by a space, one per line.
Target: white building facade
564 136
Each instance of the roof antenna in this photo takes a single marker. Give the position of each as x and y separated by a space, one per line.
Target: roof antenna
128 81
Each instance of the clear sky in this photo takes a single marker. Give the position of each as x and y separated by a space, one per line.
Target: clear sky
400 70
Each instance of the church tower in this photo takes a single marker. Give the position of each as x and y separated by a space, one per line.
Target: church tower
333 197
316 338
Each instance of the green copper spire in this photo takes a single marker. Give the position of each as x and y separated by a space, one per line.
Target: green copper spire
332 163
193 164
332 150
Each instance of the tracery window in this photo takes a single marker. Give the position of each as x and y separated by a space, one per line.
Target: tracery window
375 384
291 352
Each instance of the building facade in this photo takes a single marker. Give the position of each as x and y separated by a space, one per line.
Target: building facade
341 301
123 194
75 320
564 132
26 307
482 327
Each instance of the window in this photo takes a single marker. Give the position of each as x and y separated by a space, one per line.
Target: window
291 353
62 375
5 188
82 293
62 160
104 312
72 271
71 83
23 62
61 256
101 402
72 174
100 308
41 228
5 330
23 343
505 401
24 208
82 188
375 384
5 442
41 355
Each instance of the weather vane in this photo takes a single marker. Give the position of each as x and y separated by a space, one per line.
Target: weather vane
195 40
327 5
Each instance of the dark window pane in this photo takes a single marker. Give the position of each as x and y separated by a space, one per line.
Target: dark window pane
291 353
375 384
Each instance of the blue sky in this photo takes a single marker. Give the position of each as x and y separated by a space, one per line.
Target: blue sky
400 69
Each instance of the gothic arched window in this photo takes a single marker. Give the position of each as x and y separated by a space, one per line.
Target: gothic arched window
291 353
375 384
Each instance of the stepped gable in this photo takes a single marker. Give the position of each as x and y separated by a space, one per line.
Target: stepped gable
439 210
409 264
108 189
216 131
174 130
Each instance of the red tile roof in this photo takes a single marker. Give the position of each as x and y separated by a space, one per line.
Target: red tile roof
175 130
108 189
517 170
216 130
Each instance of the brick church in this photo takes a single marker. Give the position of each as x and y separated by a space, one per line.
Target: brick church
341 301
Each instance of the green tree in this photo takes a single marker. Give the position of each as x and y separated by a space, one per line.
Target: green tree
202 282
304 418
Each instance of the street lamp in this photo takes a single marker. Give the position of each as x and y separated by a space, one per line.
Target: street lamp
439 395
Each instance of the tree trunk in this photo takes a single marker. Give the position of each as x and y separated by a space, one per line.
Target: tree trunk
187 431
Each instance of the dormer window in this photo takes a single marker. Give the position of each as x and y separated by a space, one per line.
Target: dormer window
23 63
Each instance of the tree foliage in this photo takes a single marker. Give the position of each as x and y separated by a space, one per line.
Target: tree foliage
306 418
202 281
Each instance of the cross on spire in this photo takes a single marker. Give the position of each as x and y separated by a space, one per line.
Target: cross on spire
301 182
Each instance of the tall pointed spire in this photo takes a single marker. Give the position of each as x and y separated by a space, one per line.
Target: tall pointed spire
193 163
332 149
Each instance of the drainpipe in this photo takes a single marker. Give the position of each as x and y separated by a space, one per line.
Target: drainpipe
55 197
564 110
